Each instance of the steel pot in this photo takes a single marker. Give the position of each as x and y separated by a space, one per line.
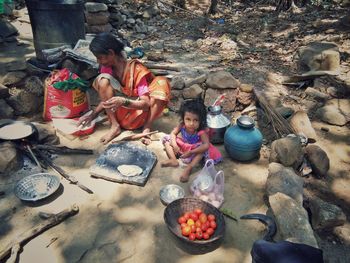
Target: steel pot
217 123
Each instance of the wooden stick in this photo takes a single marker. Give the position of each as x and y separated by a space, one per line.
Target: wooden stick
150 65
15 245
59 170
107 178
62 149
136 136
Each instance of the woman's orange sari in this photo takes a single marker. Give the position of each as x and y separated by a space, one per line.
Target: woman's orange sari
159 89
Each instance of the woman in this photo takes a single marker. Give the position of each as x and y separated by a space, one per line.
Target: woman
130 94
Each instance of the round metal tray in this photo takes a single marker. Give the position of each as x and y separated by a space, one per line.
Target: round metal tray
171 192
37 186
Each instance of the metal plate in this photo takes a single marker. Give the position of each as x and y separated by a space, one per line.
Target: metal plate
37 186
15 130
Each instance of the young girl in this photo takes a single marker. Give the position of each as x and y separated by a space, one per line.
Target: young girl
189 140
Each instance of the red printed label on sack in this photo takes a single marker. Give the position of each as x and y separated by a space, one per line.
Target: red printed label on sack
79 97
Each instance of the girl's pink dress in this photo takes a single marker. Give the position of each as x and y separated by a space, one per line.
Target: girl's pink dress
189 142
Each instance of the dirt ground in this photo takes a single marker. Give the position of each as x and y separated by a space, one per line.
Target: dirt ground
124 223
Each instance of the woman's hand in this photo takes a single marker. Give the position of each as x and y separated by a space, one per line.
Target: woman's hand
85 120
113 103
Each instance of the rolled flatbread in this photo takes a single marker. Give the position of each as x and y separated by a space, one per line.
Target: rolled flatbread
129 170
16 130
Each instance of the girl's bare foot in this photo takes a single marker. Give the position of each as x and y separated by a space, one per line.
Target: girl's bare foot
113 132
170 163
186 174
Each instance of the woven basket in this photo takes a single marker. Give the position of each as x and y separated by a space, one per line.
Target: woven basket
178 207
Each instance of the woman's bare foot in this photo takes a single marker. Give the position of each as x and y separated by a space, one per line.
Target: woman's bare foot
170 163
186 174
113 132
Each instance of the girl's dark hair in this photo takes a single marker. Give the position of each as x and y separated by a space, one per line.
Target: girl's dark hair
103 42
197 107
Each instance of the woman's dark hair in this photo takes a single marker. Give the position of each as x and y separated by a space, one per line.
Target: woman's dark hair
197 107
103 42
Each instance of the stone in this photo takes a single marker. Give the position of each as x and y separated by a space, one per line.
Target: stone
176 100
245 98
13 77
318 159
246 87
325 215
25 102
95 7
159 44
16 65
315 94
6 112
229 104
195 91
98 28
292 220
221 80
150 12
342 104
34 85
47 133
9 158
287 151
285 112
343 233
284 180
4 92
98 18
331 114
177 83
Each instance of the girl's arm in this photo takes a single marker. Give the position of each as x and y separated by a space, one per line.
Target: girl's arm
173 136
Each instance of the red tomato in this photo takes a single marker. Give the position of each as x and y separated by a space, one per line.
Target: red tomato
181 220
205 236
199 235
193 228
213 224
186 231
183 225
211 217
204 227
198 229
198 223
192 236
210 231
198 211
194 216
186 215
203 218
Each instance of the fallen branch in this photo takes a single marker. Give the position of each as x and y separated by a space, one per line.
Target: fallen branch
15 245
59 170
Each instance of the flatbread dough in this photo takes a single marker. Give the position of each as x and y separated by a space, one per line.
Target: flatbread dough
15 131
129 170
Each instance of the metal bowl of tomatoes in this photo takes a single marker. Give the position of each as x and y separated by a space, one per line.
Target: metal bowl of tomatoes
196 223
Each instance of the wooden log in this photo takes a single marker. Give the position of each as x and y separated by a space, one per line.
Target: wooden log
15 245
62 149
301 124
135 136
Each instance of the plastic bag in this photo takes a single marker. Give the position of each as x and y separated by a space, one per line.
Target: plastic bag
209 185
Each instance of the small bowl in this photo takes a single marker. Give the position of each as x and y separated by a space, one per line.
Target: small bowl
171 192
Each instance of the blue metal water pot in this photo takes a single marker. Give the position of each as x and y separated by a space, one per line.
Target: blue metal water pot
243 141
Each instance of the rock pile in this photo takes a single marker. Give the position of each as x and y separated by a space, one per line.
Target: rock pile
97 18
